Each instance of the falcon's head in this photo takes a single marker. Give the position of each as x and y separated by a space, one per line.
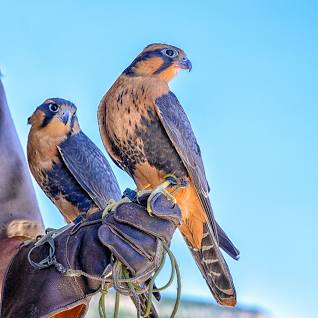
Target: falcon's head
161 60
56 116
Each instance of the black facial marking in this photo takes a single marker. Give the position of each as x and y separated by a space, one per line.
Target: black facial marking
166 64
47 109
129 71
47 118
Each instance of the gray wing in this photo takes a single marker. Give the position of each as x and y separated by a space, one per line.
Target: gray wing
209 258
178 127
179 130
226 244
90 168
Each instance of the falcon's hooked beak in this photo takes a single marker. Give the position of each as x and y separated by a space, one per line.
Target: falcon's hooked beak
65 117
185 64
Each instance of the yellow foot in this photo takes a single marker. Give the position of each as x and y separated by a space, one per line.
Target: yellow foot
160 189
112 205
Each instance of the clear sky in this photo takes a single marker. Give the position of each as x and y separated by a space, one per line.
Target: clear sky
252 99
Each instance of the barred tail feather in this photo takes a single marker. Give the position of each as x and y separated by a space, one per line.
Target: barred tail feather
214 269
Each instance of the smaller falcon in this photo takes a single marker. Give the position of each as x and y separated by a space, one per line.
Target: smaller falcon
66 164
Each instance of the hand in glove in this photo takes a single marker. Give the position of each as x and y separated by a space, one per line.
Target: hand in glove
81 256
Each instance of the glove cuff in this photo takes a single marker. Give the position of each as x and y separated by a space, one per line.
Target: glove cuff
33 293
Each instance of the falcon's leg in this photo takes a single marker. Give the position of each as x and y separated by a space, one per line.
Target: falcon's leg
170 181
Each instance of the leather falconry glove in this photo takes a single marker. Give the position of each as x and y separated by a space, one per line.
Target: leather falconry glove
71 264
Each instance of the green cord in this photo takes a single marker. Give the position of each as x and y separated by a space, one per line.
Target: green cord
167 285
151 289
117 301
102 304
175 271
176 267
131 285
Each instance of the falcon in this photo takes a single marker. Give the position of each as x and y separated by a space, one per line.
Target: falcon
66 164
69 167
148 134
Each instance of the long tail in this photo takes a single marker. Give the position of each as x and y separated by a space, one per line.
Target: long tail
214 268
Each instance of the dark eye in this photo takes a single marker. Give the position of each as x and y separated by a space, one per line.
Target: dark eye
170 52
53 108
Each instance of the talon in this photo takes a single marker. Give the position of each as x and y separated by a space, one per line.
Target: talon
149 209
170 197
176 182
161 189
172 179
112 205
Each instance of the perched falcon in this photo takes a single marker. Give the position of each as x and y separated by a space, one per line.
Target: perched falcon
68 166
147 133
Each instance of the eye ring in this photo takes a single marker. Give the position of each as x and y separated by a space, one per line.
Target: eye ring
170 52
53 108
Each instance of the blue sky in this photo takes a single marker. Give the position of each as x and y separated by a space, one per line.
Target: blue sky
252 99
